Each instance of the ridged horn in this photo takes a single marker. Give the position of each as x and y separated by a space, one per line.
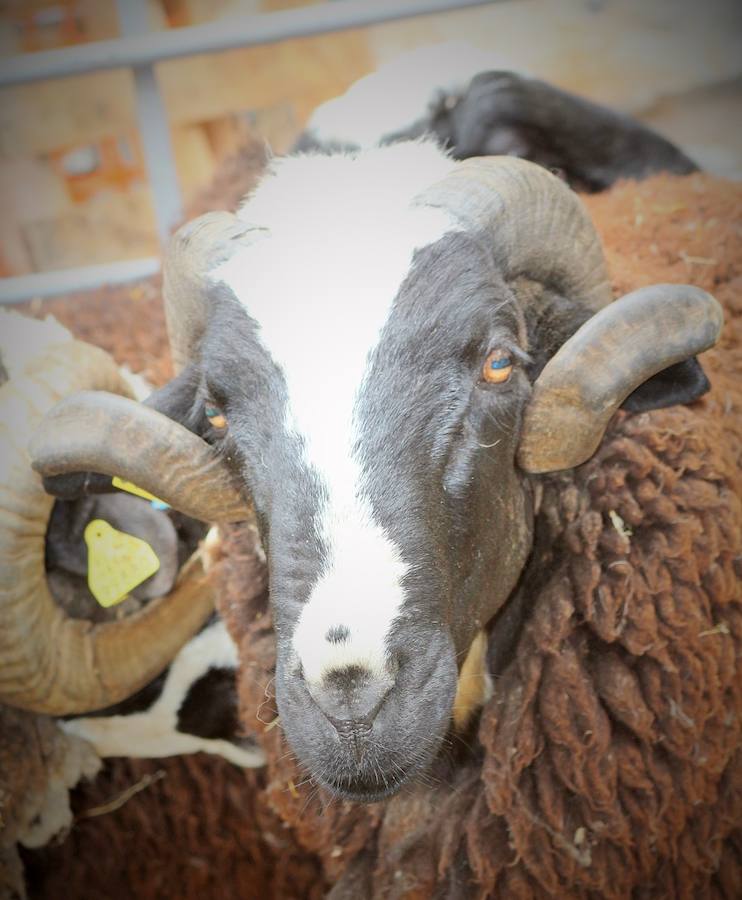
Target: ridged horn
534 225
101 432
614 352
50 663
108 435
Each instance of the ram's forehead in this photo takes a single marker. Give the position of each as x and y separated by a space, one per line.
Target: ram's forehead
298 191
337 238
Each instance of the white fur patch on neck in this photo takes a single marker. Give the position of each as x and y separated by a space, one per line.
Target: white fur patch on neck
341 232
23 341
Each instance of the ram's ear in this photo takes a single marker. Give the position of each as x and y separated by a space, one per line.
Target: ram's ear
640 346
550 323
553 321
682 382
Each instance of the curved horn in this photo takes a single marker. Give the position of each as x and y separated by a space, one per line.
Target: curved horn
101 432
194 250
614 352
111 436
535 225
48 662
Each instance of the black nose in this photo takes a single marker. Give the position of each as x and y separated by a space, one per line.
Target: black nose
350 699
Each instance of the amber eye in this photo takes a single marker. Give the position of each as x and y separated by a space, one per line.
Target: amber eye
216 417
497 367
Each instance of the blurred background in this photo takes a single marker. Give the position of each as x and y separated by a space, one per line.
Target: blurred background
74 179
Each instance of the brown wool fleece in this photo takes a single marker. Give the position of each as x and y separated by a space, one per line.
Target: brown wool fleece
202 831
608 762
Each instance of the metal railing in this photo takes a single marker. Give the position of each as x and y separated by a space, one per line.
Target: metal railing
140 49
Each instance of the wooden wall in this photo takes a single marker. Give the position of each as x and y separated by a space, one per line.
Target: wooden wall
629 54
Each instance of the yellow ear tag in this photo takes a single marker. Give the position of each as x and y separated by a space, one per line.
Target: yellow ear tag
123 485
117 562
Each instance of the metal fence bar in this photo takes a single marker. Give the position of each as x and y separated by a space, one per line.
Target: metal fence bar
223 34
154 130
20 288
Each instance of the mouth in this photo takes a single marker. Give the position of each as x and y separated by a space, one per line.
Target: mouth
360 790
367 759
381 779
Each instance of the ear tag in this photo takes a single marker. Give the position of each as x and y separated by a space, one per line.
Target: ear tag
130 488
117 562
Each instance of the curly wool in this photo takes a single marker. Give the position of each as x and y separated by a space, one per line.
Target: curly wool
609 758
186 827
608 762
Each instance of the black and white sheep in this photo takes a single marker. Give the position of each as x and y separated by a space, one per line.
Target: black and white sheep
386 348
190 708
474 104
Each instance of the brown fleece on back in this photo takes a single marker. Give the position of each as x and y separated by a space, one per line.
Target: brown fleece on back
608 762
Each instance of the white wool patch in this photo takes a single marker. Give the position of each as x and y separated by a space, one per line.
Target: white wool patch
340 236
140 386
52 815
23 340
154 733
400 92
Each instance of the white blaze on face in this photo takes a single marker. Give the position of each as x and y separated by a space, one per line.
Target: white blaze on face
348 617
341 232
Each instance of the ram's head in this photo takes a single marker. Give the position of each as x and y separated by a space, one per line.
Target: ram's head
383 351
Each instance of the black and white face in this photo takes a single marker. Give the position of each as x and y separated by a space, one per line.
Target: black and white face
369 388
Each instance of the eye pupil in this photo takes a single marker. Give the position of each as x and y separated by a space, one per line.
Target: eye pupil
497 367
216 417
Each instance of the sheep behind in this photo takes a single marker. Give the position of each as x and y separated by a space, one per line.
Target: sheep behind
475 104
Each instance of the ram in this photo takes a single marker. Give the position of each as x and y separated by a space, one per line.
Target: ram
442 336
